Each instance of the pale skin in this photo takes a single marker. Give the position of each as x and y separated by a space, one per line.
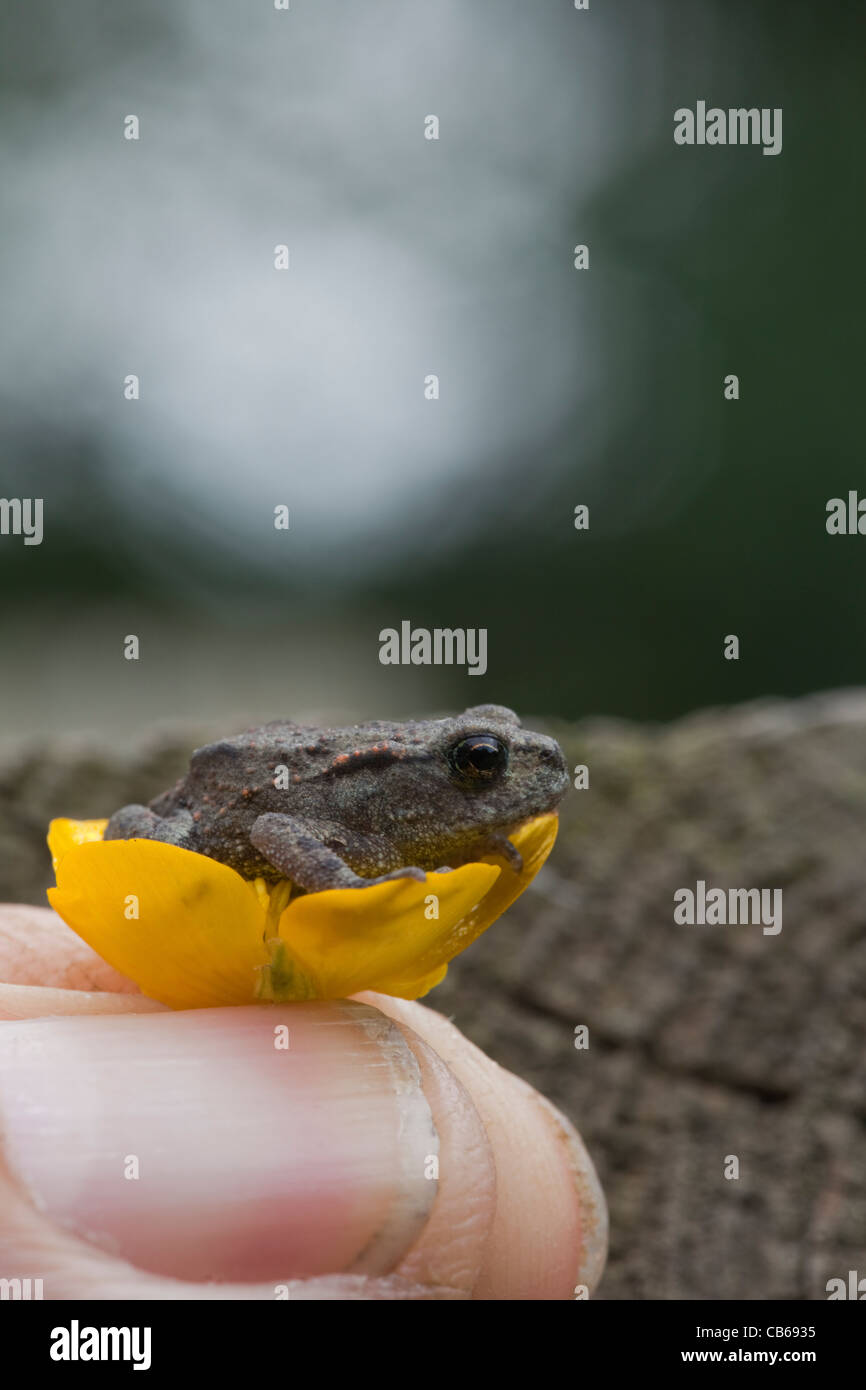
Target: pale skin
517 1213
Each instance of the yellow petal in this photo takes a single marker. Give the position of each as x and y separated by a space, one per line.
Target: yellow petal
193 934
417 986
198 939
535 840
349 939
63 834
381 938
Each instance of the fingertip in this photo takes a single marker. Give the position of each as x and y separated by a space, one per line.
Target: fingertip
547 1235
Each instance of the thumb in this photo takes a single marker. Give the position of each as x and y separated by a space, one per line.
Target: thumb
323 1146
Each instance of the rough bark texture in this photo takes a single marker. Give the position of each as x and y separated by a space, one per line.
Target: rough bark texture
705 1041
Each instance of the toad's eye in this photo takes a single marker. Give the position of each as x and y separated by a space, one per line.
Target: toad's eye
479 758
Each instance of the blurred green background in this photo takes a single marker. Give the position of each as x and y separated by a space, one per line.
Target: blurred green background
408 256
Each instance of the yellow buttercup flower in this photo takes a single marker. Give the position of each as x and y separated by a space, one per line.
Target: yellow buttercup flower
193 934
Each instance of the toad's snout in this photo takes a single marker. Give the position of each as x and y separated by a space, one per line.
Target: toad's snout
552 770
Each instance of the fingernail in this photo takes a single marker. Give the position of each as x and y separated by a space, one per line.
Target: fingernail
243 1144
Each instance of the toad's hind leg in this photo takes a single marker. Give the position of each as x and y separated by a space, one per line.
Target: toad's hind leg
140 823
290 847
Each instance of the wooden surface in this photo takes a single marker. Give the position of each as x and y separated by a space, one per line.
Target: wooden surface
705 1041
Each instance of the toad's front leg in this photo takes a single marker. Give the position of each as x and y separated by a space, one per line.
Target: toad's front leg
497 843
297 852
140 823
